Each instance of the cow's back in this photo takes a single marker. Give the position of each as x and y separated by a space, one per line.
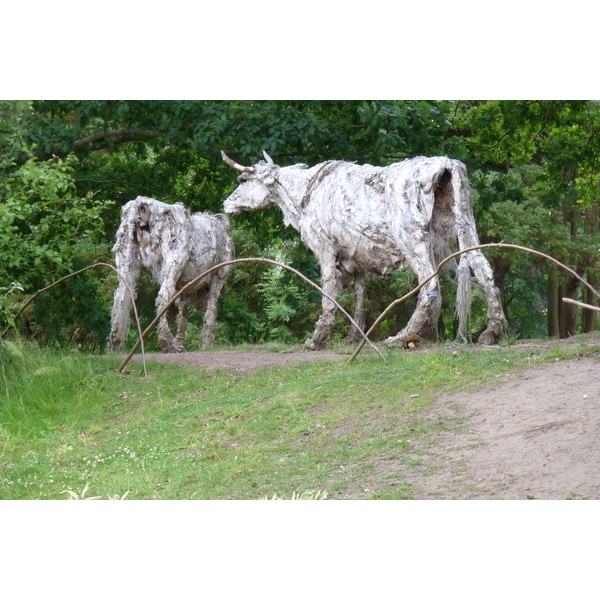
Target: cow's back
374 215
209 245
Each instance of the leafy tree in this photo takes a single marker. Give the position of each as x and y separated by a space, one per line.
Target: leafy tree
555 147
47 231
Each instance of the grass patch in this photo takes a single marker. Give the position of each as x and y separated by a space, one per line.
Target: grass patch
70 423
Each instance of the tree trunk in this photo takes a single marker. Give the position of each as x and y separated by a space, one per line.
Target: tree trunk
501 268
570 311
553 304
590 317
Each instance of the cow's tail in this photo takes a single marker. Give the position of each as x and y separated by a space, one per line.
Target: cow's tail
473 266
466 237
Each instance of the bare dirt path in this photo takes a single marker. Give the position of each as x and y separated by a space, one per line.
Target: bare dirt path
529 435
242 361
534 435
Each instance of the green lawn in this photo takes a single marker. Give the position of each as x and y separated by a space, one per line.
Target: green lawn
70 422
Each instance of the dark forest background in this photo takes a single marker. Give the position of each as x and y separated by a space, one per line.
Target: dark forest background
68 167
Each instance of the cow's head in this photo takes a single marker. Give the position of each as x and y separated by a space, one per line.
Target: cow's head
256 185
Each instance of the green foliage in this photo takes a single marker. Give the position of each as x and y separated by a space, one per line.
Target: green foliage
46 231
282 297
526 303
534 165
9 306
67 168
266 303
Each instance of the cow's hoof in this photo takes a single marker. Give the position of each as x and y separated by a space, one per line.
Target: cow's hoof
173 350
395 342
312 345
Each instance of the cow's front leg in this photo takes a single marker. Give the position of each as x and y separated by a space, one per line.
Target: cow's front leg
165 337
182 311
120 317
128 265
329 283
165 294
210 314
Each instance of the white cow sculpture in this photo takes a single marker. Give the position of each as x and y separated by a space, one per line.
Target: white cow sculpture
176 247
360 219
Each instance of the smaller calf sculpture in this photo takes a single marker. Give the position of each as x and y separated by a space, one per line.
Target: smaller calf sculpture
176 247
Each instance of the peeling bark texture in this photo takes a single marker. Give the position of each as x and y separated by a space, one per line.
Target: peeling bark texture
360 219
176 247
360 282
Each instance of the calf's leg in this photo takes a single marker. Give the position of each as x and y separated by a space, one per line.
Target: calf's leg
210 314
122 303
182 310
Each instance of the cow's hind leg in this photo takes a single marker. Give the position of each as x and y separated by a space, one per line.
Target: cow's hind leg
429 302
495 320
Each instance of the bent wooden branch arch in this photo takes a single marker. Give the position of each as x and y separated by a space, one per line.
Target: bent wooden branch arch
365 336
582 304
71 275
233 262
450 257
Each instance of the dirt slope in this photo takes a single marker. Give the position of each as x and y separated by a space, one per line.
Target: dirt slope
535 435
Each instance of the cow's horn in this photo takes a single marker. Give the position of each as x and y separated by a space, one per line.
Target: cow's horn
267 158
234 165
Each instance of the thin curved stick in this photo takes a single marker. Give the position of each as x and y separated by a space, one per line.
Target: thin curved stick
450 257
233 262
582 304
71 275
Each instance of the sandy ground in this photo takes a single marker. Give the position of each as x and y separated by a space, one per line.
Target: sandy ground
241 361
530 435
535 435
